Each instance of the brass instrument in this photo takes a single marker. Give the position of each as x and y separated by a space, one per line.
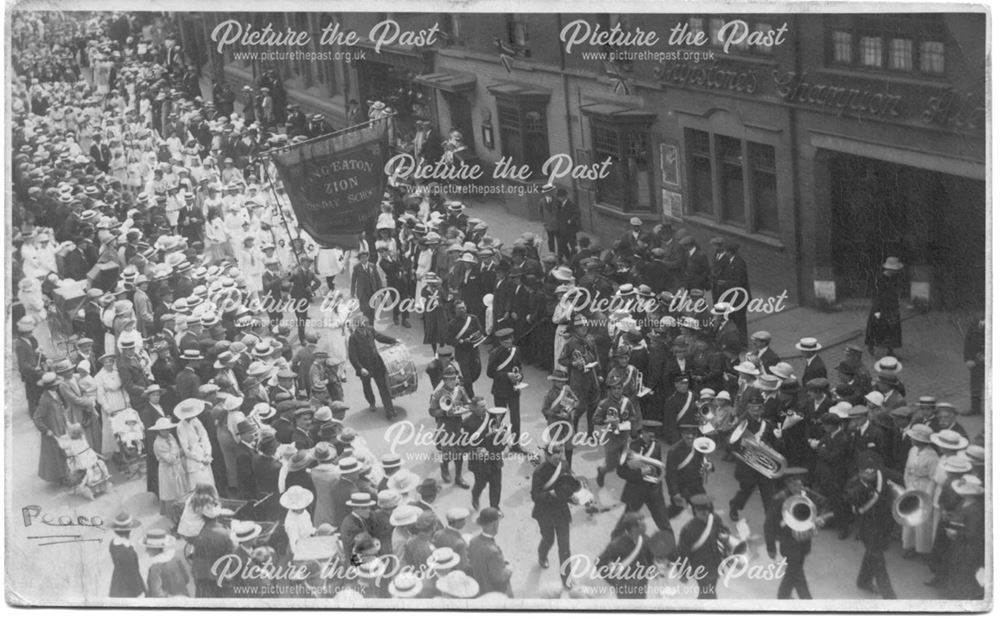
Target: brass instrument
518 379
705 418
757 455
567 400
446 402
799 514
910 507
706 446
652 469
578 358
642 390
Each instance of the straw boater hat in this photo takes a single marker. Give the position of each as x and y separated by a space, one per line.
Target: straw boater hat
458 584
808 344
158 538
406 585
920 432
244 531
189 408
443 558
296 498
968 485
123 521
403 481
949 440
888 365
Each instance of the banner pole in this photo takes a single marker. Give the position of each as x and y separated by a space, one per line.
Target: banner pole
281 211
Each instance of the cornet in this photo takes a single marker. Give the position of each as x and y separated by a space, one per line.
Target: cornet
518 379
798 513
910 507
446 402
706 446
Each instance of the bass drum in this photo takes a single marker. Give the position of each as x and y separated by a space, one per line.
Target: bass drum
401 372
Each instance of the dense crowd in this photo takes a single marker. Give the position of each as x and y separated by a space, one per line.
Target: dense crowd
163 294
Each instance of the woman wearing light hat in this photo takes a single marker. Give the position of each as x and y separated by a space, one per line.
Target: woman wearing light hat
966 533
126 581
298 524
884 328
921 463
111 398
194 442
171 475
170 574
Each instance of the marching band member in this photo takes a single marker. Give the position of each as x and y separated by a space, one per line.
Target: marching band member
551 508
449 402
620 420
643 468
504 369
795 545
701 544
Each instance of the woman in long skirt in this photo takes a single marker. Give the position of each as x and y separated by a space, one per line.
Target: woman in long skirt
884 328
126 580
112 398
921 463
172 478
50 418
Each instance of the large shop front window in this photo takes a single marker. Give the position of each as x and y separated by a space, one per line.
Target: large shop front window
733 181
629 185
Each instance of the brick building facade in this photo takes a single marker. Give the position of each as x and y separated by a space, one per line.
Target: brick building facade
856 137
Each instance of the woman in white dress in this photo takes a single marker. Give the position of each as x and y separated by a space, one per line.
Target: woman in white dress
329 264
194 442
29 294
112 398
921 463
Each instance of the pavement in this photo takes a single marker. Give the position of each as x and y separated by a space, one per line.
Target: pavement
79 572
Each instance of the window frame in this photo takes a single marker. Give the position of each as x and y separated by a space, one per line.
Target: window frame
916 29
624 130
750 223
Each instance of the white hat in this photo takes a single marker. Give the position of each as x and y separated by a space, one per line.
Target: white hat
189 408
296 498
443 558
458 584
406 585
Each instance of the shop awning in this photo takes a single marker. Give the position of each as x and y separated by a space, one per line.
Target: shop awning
617 113
520 92
416 60
449 81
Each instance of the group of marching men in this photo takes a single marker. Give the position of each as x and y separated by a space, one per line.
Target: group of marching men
234 410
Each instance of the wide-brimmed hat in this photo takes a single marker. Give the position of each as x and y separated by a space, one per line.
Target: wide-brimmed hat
892 263
808 344
244 531
920 432
388 499
783 370
189 408
299 461
349 464
443 558
747 368
324 452
767 383
404 515
968 485
296 498
403 481
162 424
949 440
458 584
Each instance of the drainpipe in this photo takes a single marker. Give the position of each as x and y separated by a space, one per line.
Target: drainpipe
569 124
796 190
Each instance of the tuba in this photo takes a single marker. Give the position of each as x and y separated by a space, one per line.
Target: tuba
798 513
909 507
757 455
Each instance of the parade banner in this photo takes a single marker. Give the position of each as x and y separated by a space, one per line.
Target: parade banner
335 183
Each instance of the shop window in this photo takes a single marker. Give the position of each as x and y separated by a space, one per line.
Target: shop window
524 134
715 23
517 33
628 186
897 43
733 181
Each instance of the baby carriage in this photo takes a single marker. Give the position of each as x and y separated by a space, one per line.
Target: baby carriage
88 475
127 428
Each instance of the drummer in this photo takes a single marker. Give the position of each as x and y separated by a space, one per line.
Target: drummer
369 365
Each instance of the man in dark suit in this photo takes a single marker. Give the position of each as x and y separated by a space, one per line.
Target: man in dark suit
504 368
93 325
365 281
568 224
765 356
486 559
100 153
732 274
246 483
364 357
266 470
871 499
548 208
697 270
633 237
627 558
815 368
551 508
303 283
747 477
643 478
